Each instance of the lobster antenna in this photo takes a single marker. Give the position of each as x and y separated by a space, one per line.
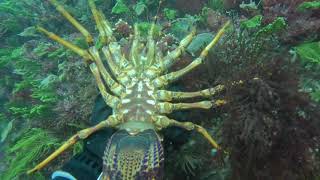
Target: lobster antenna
156 17
158 11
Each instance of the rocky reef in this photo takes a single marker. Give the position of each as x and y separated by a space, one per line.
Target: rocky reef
269 129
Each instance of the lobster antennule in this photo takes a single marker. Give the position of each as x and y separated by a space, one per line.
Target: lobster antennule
151 46
131 157
134 54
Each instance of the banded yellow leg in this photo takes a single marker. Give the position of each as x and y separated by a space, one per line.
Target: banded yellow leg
74 22
111 121
103 26
164 122
167 107
165 95
83 53
114 86
173 56
110 100
165 63
171 77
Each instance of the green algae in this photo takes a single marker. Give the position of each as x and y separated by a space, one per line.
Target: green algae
23 154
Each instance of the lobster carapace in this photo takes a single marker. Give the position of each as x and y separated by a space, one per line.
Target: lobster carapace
133 85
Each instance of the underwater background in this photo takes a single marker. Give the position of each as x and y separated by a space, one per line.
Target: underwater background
270 126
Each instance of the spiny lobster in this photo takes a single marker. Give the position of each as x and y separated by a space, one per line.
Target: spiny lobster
139 103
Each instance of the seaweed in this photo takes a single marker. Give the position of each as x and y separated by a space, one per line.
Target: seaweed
254 22
140 7
145 26
308 54
32 145
170 14
5 127
30 86
302 25
264 110
137 10
273 128
120 7
271 118
309 5
278 24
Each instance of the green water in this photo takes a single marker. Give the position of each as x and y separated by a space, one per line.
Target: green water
268 61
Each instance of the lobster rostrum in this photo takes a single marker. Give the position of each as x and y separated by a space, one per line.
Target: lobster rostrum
136 93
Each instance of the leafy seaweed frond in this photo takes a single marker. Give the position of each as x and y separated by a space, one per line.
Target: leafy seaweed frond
5 127
309 5
255 23
120 8
309 54
170 14
31 146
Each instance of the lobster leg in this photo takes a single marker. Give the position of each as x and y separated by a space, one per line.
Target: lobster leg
111 121
110 100
163 65
103 26
83 53
206 135
165 95
120 74
115 59
119 59
88 56
74 22
114 86
168 78
112 52
166 107
164 122
173 56
103 38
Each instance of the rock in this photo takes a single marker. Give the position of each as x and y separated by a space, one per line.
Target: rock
199 42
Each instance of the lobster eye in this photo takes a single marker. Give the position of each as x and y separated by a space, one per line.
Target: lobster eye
133 157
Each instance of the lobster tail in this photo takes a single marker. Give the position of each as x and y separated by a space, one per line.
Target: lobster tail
133 157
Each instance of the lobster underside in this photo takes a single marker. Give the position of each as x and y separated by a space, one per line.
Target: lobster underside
133 85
